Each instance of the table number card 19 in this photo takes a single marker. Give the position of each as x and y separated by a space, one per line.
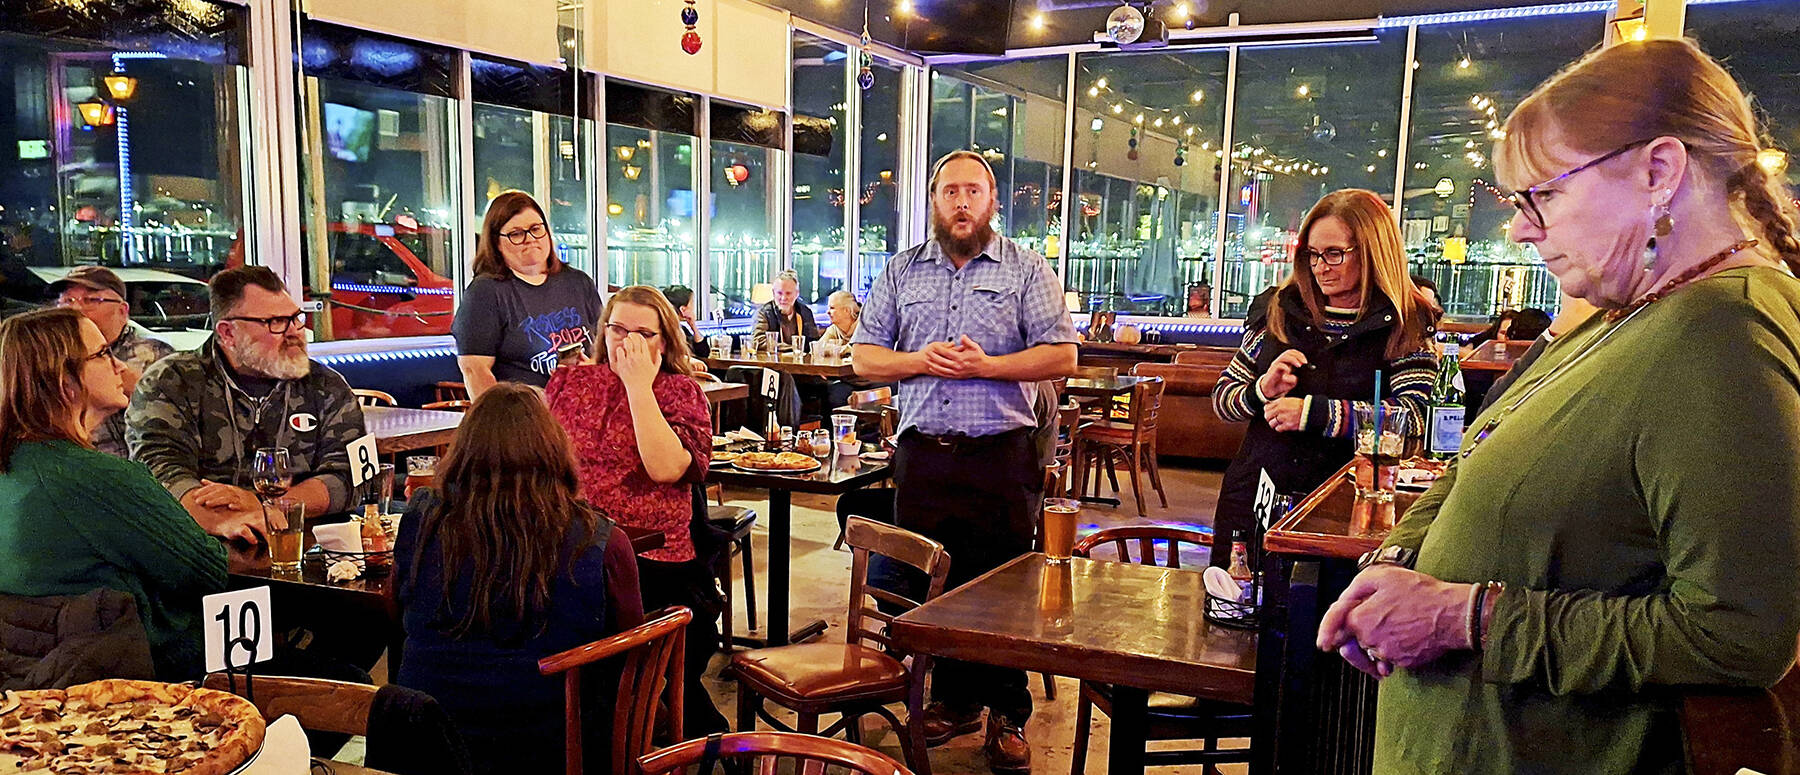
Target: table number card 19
238 630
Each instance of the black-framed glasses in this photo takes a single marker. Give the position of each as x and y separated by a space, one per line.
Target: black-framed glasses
522 236
1331 256
620 331
1527 202
105 351
279 324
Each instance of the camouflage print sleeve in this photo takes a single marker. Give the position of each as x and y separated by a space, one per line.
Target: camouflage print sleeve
160 427
340 422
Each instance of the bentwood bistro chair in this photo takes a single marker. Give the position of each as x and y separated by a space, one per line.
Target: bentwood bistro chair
865 673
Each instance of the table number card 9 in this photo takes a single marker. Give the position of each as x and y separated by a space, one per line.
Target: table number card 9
365 462
237 625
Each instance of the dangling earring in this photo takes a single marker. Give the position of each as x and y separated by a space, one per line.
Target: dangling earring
1661 228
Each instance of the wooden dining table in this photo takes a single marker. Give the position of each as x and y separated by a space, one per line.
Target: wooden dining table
807 366
399 429
1103 387
1496 356
837 474
1138 627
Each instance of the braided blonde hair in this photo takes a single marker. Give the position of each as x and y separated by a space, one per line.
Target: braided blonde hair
1657 88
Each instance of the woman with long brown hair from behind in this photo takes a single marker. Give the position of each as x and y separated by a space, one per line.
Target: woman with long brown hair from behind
1312 348
502 564
74 519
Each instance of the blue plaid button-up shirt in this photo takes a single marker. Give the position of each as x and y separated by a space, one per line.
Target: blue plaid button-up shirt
1007 299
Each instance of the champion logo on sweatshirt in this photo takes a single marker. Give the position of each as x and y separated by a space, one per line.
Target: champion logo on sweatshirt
302 421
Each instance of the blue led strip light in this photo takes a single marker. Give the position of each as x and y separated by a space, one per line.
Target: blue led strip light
1522 12
396 289
127 196
381 357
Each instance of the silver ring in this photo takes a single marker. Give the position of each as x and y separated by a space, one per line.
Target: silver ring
1373 655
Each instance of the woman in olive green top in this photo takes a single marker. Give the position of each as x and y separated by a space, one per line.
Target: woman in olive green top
73 519
1626 519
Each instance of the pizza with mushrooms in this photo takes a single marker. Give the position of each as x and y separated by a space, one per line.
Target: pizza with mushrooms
118 726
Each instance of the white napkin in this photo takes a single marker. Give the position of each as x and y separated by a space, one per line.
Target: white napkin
284 751
343 537
743 434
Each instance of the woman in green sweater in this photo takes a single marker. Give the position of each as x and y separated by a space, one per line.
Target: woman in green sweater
73 519
1626 519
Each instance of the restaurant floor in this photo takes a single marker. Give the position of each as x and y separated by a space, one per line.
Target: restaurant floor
821 579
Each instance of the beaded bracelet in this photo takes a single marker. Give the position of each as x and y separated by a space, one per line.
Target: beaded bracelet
1476 634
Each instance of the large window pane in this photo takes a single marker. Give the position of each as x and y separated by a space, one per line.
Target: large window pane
537 153
1017 122
1309 120
1469 77
525 139
1144 214
878 194
820 145
153 182
380 213
748 188
1756 41
650 231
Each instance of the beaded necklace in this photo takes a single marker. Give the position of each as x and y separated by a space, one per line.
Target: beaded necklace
1615 319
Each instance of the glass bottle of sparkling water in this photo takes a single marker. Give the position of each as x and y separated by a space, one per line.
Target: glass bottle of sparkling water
1445 430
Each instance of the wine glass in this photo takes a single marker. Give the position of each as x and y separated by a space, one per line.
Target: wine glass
272 473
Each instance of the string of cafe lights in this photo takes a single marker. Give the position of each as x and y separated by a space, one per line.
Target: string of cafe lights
1116 105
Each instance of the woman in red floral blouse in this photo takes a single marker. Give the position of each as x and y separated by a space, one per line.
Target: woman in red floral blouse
643 437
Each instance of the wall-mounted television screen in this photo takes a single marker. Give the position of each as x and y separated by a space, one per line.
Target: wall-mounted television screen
349 132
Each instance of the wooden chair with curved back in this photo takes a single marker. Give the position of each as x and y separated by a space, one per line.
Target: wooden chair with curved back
452 405
373 397
319 704
449 390
775 752
1102 443
853 678
649 683
345 708
1172 716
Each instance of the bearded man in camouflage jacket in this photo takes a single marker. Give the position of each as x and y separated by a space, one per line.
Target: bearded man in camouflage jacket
197 418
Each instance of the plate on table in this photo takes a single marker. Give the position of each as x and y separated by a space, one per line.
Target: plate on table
722 458
776 463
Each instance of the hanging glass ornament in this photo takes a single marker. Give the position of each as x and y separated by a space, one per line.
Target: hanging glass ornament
865 75
690 16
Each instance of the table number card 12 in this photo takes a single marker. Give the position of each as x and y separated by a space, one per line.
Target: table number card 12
238 629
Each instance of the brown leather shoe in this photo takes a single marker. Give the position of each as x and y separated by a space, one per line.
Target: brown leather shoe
942 723
1006 749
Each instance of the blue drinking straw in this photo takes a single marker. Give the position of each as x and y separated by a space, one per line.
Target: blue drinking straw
1375 446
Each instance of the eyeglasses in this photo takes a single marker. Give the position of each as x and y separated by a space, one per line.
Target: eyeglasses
105 351
522 236
621 331
86 301
1331 256
1527 201
279 324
